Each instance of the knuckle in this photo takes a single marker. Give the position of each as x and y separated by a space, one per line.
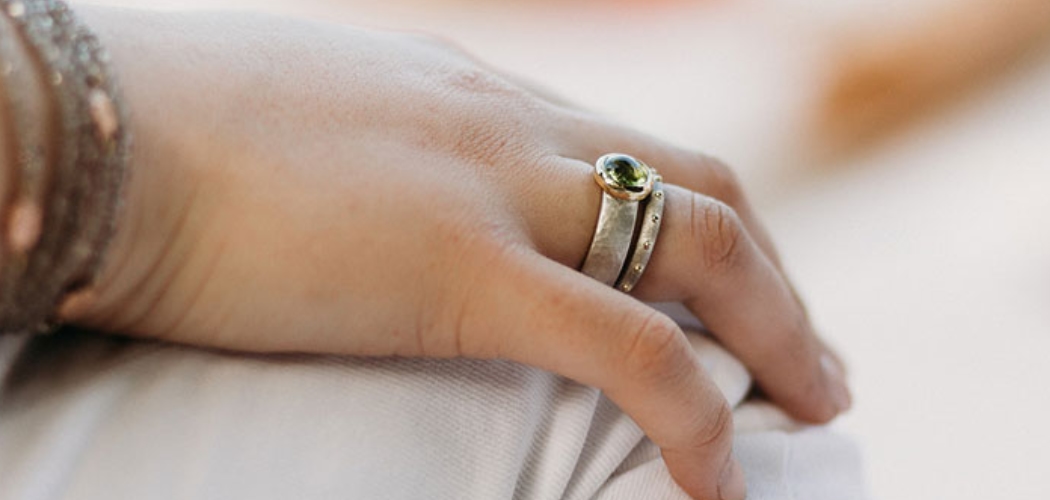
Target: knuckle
716 179
482 142
717 231
723 181
476 82
716 428
433 41
498 123
654 352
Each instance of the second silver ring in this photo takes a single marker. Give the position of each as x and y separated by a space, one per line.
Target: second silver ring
645 242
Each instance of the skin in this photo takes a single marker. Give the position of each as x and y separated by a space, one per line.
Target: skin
318 188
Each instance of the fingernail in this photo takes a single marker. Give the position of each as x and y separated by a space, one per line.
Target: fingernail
836 383
731 485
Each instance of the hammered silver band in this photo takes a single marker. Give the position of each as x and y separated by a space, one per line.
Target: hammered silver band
612 239
630 189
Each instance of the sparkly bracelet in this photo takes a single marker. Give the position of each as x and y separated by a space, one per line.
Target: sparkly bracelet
64 208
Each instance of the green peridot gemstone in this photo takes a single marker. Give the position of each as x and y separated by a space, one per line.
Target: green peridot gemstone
626 172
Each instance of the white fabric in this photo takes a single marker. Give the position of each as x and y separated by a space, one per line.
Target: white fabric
90 417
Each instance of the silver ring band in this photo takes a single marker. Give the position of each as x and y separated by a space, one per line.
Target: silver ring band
612 239
625 183
643 248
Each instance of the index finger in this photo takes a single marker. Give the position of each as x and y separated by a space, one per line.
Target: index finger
541 313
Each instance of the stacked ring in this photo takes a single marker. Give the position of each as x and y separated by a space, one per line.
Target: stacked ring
645 241
623 243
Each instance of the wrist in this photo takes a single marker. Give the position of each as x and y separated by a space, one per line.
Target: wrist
172 170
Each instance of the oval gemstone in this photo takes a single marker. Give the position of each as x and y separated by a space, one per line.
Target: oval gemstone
626 172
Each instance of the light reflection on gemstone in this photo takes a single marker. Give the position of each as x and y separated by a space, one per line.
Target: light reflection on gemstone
625 172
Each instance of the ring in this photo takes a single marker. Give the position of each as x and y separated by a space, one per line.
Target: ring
625 182
643 249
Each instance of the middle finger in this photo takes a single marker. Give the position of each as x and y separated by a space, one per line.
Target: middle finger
706 258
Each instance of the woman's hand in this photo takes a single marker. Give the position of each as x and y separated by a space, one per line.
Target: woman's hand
316 188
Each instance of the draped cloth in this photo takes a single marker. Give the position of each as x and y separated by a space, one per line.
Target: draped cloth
87 416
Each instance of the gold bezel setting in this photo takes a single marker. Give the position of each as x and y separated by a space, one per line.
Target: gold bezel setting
624 177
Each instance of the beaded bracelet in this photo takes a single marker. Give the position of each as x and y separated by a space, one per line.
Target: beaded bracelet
76 210
28 125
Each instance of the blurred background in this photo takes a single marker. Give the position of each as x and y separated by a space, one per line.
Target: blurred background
899 151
